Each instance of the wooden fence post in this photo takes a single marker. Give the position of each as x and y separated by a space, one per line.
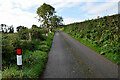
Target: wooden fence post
30 37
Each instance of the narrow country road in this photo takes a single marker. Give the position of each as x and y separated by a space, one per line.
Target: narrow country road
69 58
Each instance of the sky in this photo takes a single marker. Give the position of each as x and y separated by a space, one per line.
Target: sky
23 12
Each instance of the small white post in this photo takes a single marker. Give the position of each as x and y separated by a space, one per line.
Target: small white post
50 30
30 37
46 33
19 58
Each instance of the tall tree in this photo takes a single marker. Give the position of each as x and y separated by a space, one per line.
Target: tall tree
34 26
18 28
45 12
7 29
4 28
23 33
56 21
11 29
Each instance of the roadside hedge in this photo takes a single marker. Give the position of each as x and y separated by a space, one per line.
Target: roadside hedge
102 35
34 53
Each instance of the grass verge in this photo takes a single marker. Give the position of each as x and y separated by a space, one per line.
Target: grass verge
33 61
112 57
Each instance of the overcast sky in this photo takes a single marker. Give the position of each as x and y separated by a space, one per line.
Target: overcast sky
23 12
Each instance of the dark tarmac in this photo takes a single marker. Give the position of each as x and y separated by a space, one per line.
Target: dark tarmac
69 58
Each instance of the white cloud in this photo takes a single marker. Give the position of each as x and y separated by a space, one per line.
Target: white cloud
104 9
16 12
17 17
71 20
11 14
66 4
26 4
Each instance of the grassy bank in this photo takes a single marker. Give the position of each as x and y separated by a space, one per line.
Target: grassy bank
101 35
34 54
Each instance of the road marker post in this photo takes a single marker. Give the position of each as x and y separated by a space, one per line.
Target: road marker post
50 30
46 33
19 58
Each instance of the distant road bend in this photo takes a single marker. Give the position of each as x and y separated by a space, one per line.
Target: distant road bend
69 58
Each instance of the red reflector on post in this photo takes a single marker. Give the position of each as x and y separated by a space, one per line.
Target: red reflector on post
18 51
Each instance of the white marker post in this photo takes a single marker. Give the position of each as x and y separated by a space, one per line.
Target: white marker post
19 58
50 30
46 33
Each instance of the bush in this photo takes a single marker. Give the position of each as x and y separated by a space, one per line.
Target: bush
44 48
33 64
36 33
8 50
33 59
24 34
11 72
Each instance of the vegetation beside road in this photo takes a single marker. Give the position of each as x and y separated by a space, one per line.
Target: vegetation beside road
34 52
102 35
34 44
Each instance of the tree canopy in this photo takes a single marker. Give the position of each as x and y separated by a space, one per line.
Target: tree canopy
47 15
45 12
56 21
34 26
7 29
18 28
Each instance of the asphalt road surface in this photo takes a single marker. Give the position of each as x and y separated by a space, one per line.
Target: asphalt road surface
69 58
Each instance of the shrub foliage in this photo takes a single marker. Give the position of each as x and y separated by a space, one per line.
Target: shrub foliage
102 33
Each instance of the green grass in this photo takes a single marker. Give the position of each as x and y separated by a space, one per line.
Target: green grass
44 48
33 61
97 49
43 43
102 35
33 64
111 56
11 72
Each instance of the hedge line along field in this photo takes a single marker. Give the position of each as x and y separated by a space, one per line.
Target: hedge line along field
34 44
102 35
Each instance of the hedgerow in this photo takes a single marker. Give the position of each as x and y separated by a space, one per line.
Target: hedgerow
34 53
102 35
